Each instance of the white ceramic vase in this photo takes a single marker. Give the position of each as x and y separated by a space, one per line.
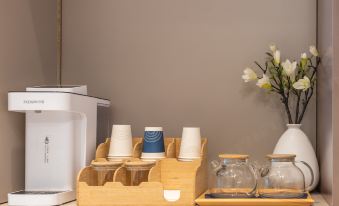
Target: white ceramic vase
295 141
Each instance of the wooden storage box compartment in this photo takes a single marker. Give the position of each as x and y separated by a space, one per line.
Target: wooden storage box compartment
170 182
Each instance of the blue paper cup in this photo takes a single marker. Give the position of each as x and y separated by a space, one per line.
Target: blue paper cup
153 145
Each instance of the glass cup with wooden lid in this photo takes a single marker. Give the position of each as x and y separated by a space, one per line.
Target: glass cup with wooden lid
282 178
137 171
233 177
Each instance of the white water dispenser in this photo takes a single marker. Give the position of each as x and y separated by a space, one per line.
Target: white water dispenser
62 131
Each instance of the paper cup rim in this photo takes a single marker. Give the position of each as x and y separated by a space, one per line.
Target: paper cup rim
191 128
121 125
121 156
153 155
153 129
181 157
187 159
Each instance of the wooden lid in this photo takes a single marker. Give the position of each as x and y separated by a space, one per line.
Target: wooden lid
233 156
281 156
230 190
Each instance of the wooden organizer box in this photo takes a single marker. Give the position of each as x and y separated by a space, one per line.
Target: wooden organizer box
168 176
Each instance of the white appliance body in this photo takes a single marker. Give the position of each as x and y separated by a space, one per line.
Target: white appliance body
53 152
61 134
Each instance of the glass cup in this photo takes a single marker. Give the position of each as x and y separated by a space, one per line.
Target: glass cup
137 172
105 170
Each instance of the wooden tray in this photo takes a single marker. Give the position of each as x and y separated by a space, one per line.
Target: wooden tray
168 175
202 201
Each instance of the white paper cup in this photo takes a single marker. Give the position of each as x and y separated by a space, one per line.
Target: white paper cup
190 147
121 146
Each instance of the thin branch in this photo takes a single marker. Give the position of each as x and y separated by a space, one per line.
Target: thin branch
266 65
297 106
305 103
277 89
275 67
318 61
311 63
274 79
294 92
263 70
285 98
289 86
285 102
269 54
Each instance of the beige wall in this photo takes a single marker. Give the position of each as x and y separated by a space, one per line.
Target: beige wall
328 99
176 63
27 57
335 102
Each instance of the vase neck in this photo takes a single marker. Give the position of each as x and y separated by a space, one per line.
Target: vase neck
293 126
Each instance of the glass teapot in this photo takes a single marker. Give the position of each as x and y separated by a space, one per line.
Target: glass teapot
233 177
281 178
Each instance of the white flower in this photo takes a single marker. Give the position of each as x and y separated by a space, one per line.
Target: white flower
276 57
264 82
314 51
303 56
249 75
302 84
289 68
273 48
303 60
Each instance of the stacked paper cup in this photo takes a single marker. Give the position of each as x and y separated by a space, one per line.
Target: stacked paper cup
190 147
121 146
153 145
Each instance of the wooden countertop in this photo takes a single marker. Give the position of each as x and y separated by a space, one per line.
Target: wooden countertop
319 201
